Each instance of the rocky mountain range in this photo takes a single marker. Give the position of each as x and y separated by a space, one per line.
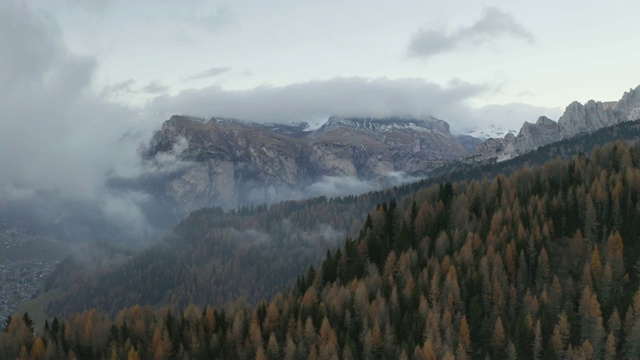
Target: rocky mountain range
230 163
577 118
492 132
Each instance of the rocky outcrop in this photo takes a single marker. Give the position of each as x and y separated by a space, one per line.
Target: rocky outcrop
628 108
372 147
576 119
229 163
531 136
469 143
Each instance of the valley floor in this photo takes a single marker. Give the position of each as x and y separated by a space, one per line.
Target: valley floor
25 262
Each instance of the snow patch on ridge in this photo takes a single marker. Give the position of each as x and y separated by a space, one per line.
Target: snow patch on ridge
493 132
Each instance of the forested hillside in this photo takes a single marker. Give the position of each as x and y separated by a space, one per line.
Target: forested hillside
539 264
214 257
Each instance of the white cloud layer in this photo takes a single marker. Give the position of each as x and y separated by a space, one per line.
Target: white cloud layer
59 135
320 99
56 136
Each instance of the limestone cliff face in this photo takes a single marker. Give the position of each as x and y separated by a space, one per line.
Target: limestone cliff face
369 147
542 132
628 108
577 119
233 163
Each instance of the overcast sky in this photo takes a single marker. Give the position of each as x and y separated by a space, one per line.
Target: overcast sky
229 57
84 82
78 72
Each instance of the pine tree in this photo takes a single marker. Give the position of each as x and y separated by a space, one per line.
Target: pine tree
290 349
561 336
260 355
461 353
556 343
610 347
273 350
615 259
590 222
27 321
512 354
614 324
24 353
498 338
428 351
537 341
133 354
543 272
313 353
586 350
38 351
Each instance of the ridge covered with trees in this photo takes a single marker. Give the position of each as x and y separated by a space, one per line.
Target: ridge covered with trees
215 257
540 264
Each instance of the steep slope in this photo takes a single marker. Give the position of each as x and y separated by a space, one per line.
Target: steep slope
254 252
541 264
251 253
577 119
629 132
229 163
366 147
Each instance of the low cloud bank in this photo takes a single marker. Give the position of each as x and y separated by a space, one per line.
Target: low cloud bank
68 151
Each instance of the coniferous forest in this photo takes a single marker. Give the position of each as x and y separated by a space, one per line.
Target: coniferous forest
542 263
214 257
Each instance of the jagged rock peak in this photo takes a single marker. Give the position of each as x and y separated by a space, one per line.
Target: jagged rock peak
176 119
231 163
631 96
577 118
628 108
545 121
389 123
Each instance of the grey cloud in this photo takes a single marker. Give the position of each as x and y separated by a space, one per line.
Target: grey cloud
155 87
493 24
525 93
199 13
13 193
118 88
127 87
220 17
329 233
212 72
332 186
92 6
126 210
340 186
163 163
247 72
317 99
57 138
